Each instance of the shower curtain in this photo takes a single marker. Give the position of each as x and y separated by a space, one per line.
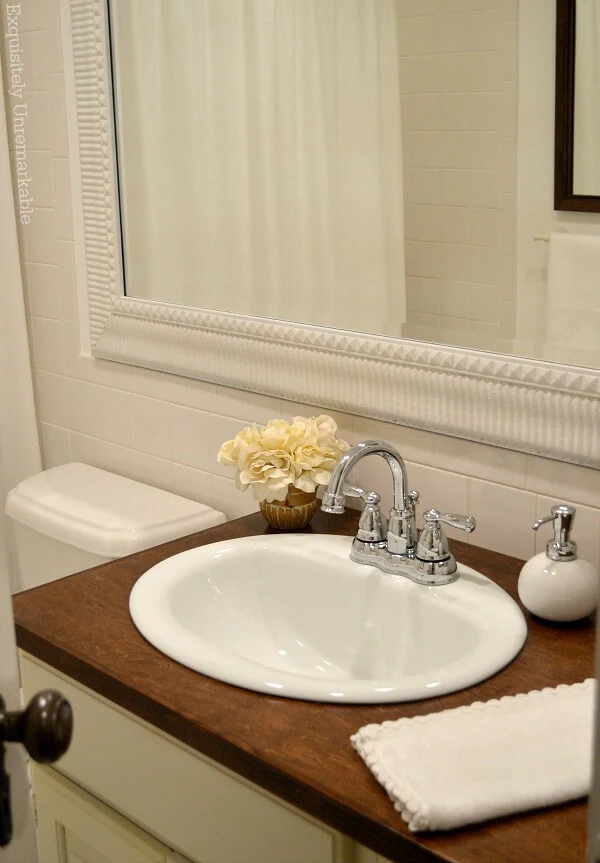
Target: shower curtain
260 157
586 155
19 458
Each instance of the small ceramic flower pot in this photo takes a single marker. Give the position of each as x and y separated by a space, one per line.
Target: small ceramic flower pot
293 513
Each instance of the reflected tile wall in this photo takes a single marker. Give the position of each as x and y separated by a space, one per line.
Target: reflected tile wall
459 115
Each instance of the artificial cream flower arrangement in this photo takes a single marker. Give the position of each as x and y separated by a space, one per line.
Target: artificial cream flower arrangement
301 453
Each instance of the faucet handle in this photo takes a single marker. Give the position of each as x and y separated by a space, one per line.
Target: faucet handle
462 522
434 558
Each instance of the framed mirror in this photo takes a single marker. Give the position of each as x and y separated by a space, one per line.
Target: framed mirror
547 408
577 120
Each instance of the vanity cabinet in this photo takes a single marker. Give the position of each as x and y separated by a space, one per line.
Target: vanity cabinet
223 775
125 791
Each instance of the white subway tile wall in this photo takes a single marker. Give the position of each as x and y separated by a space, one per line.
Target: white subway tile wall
459 111
166 430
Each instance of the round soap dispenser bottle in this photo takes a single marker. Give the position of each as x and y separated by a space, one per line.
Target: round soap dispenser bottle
556 584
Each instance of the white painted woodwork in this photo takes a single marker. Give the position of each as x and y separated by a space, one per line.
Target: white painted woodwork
74 827
528 405
185 800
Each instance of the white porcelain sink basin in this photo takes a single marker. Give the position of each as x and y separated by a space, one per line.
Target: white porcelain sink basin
291 615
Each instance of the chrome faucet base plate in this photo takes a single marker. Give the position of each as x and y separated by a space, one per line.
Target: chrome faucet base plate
376 554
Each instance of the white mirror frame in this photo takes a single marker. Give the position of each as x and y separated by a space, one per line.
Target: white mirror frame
532 406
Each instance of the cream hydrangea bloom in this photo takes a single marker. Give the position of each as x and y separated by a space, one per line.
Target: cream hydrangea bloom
318 452
269 472
231 450
279 434
301 454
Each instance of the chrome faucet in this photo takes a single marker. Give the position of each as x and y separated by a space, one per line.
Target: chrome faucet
394 546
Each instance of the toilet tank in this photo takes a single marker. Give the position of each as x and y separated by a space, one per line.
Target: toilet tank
75 516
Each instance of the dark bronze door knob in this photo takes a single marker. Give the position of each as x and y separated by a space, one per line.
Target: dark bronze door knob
44 728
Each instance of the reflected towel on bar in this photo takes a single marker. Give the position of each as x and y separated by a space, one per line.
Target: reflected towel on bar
573 301
488 759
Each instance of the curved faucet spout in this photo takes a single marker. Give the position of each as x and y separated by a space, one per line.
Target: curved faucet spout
333 499
398 552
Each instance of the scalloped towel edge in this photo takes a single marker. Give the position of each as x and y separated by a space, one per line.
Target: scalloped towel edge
414 810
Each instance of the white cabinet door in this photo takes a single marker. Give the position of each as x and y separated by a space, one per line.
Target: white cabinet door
183 798
74 827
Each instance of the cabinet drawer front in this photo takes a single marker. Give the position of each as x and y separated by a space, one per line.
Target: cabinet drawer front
187 801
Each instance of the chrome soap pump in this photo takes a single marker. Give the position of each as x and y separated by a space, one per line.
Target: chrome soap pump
556 584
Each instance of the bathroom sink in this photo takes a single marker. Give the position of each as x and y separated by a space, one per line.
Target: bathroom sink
292 615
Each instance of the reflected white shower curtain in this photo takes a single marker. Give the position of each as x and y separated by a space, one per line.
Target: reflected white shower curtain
261 157
19 458
586 155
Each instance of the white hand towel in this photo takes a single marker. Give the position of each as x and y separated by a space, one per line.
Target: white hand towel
488 759
573 299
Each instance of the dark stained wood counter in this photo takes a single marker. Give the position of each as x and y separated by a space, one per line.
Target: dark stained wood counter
299 750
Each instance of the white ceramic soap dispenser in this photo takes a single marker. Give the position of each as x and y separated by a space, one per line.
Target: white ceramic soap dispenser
556 584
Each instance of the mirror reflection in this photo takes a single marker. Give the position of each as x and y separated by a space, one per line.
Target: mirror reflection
261 157
346 163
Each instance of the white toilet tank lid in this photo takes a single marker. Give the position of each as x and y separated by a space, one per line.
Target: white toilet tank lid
102 512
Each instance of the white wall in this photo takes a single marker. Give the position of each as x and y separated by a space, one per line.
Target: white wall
166 430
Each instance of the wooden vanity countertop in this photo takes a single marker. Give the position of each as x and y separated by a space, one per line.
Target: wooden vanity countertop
299 750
